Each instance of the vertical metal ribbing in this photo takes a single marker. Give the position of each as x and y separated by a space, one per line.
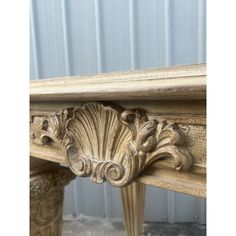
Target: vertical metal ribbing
167 32
107 207
98 35
33 38
65 37
77 200
171 206
202 211
200 31
132 35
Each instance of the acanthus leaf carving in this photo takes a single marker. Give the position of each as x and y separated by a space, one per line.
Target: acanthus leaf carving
51 128
108 145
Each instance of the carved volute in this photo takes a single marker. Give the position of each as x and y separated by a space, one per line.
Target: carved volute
109 144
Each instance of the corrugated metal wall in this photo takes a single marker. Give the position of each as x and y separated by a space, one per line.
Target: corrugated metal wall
72 37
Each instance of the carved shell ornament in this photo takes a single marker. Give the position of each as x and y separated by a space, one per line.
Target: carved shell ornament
109 145
116 147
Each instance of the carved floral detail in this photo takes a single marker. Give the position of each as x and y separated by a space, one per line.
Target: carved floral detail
47 129
111 145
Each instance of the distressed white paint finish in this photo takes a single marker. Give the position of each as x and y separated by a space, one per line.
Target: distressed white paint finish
72 37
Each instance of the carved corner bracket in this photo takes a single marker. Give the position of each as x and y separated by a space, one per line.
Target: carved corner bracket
110 144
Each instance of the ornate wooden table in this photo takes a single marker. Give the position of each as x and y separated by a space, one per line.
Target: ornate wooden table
131 129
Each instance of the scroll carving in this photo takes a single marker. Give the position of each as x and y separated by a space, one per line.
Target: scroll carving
115 145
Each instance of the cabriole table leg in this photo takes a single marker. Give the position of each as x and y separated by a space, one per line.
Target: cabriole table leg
133 199
47 181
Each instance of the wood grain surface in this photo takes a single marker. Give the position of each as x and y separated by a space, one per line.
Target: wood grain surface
168 83
174 94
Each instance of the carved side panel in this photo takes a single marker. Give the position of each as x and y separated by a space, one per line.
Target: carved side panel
109 144
46 214
46 200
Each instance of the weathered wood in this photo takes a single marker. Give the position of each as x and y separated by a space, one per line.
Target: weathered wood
176 82
126 126
189 115
111 144
188 183
133 200
47 183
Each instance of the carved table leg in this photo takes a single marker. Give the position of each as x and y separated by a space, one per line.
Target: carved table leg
47 181
133 199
